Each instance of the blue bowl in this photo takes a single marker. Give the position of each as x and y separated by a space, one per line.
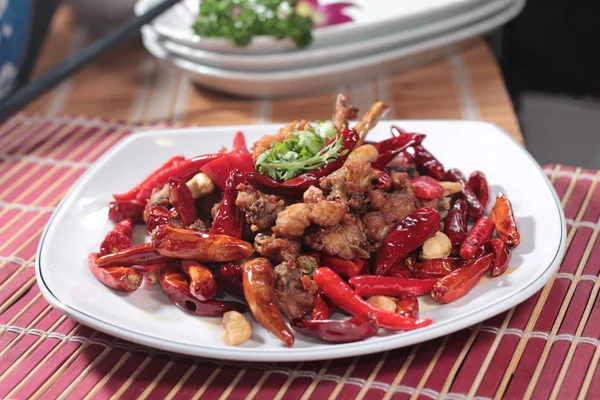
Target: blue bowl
23 27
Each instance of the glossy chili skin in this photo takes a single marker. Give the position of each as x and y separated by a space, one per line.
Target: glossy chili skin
175 284
142 254
342 295
425 187
230 219
182 200
157 216
455 225
355 329
479 185
132 194
383 181
372 285
203 285
294 187
183 170
322 308
408 306
391 148
460 282
122 279
436 268
475 209
193 245
427 164
119 238
345 268
502 254
480 233
408 235
350 138
239 144
119 210
259 290
229 277
504 221
220 169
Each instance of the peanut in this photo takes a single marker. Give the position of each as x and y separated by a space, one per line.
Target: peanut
437 246
384 303
237 328
200 185
367 152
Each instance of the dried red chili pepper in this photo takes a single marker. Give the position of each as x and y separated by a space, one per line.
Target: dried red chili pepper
229 277
294 187
425 187
372 285
193 245
183 170
122 279
461 281
455 225
504 221
143 254
230 219
391 148
479 186
350 138
157 216
322 308
345 268
408 235
427 164
132 194
118 210
502 254
119 238
408 306
342 295
437 267
239 144
259 290
180 196
203 285
220 169
355 329
384 181
174 283
475 209
480 233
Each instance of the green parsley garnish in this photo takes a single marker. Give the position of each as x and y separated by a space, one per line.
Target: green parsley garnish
240 20
302 152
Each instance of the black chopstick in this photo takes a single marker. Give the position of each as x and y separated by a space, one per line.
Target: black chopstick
56 75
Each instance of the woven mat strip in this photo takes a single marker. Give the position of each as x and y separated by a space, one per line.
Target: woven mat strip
46 353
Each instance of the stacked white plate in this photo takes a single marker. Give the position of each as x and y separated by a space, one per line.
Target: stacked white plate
385 36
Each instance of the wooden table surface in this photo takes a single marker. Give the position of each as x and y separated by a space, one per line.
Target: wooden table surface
128 84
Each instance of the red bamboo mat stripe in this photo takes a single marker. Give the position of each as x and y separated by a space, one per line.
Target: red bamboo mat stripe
546 347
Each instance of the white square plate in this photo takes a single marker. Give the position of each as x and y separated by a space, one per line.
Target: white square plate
147 316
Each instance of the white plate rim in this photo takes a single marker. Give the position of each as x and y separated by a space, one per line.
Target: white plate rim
304 354
344 51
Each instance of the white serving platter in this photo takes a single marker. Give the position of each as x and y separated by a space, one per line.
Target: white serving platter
147 317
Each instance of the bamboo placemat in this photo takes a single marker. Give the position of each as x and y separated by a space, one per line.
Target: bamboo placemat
547 347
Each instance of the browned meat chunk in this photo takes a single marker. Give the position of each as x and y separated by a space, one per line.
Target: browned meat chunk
276 249
328 213
295 291
343 113
261 209
377 199
350 183
292 221
346 240
400 181
313 195
380 223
